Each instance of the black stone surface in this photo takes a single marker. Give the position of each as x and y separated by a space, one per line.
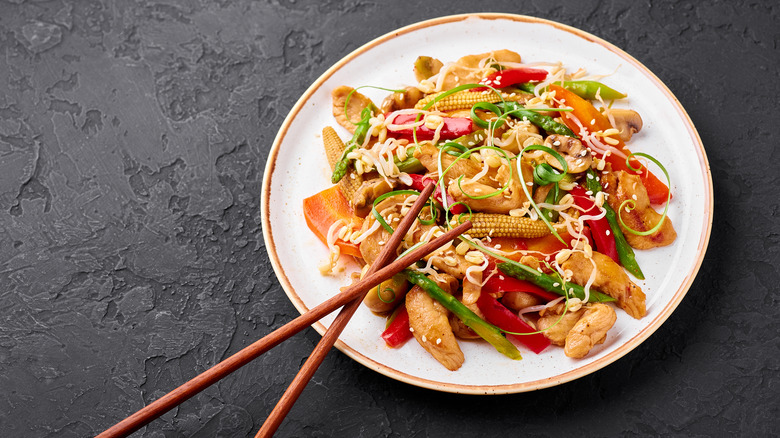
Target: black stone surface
133 138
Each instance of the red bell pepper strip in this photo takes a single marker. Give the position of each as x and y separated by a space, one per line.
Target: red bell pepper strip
602 233
323 210
512 76
453 128
419 182
398 330
589 116
503 318
501 282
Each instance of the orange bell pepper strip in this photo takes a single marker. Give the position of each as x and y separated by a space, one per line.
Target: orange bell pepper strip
323 210
589 116
542 248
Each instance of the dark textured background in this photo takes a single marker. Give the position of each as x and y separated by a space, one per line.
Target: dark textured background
133 137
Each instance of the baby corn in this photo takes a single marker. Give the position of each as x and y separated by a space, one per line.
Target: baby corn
503 225
334 149
465 100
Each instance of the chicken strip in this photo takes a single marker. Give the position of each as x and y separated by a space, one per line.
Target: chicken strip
511 198
469 297
556 328
428 154
623 186
611 279
590 330
431 328
467 69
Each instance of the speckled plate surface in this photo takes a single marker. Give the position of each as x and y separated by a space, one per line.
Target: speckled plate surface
297 169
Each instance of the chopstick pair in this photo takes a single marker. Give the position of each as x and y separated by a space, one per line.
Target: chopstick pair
350 298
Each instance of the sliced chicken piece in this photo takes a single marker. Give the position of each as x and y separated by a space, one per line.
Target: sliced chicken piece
520 300
556 327
623 186
357 102
390 209
610 279
467 69
372 245
431 328
447 260
469 297
590 330
428 154
511 198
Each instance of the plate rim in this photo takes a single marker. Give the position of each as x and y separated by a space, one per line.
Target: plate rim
570 375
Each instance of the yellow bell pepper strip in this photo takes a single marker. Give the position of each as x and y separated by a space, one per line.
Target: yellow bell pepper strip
589 116
323 210
487 331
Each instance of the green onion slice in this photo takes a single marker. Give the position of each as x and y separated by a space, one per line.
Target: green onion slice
559 177
381 198
630 204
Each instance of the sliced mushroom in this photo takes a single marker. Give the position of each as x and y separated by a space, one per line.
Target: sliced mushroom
627 121
425 67
369 191
577 156
402 100
357 102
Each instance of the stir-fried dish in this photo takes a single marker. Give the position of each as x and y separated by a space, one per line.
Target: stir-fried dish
535 156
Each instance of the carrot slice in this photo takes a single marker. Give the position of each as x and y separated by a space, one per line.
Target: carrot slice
323 210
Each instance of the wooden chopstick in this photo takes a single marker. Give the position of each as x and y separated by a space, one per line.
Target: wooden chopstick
247 354
300 381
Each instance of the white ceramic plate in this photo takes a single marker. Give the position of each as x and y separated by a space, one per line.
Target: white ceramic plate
297 169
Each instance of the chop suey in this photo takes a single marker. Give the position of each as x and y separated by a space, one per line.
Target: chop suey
536 158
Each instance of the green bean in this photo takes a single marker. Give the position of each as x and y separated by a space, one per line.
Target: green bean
624 250
361 130
487 331
550 283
